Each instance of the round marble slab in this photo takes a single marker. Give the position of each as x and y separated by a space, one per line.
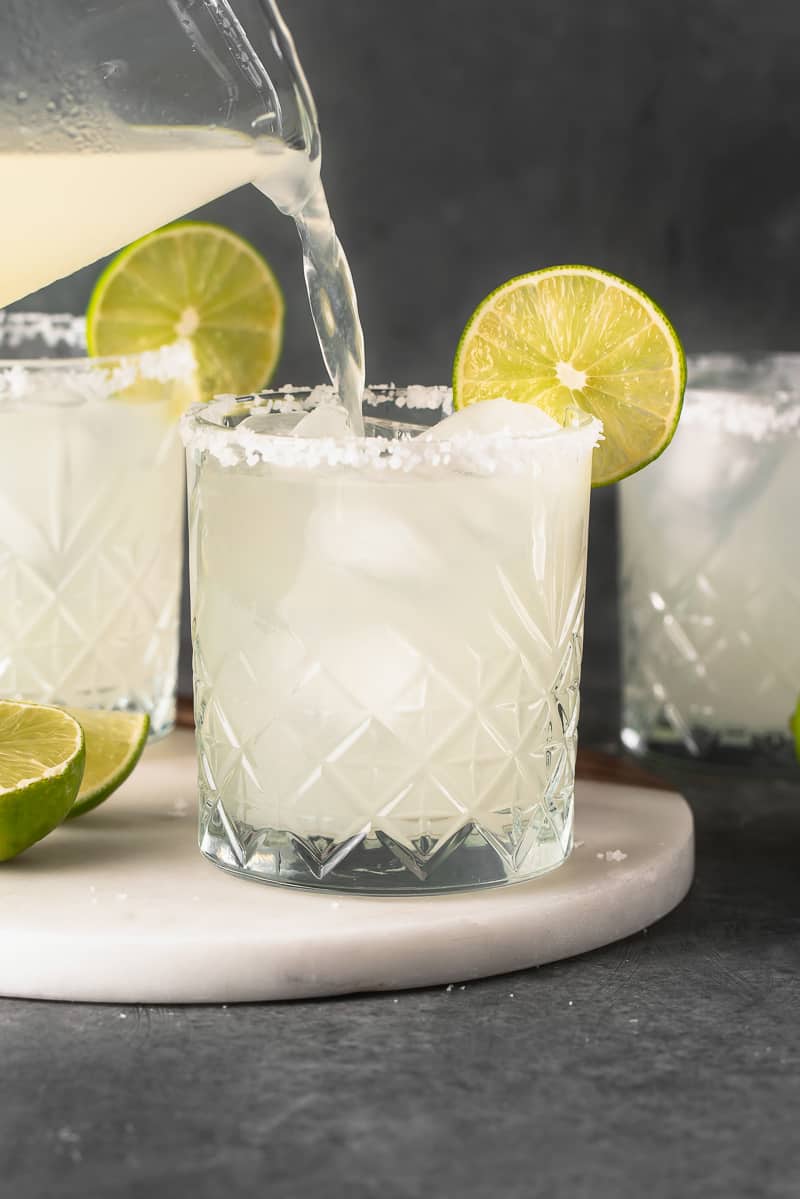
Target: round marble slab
121 907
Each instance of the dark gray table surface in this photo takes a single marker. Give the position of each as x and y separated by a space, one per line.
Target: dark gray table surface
665 1065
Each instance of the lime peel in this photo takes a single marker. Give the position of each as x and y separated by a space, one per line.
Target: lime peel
42 756
114 744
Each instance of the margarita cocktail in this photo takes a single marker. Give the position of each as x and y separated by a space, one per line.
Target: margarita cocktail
710 570
91 491
387 637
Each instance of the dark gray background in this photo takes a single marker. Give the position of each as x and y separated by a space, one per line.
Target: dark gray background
464 143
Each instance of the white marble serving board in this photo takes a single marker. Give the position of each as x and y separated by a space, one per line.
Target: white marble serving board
121 907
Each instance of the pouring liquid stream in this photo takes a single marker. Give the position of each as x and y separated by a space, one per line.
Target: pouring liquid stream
334 308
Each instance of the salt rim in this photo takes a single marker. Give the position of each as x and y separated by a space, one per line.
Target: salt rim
234 445
97 378
755 396
53 328
293 398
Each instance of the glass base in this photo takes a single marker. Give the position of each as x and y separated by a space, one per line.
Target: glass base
715 751
373 863
162 717
161 730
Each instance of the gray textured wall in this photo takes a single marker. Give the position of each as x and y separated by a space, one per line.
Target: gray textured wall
467 142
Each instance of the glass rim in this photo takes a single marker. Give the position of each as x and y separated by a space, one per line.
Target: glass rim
751 364
484 453
755 394
170 363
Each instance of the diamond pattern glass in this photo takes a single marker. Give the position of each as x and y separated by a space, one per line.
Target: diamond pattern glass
710 573
91 517
387 671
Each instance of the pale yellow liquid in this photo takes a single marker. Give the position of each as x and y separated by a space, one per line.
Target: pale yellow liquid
59 212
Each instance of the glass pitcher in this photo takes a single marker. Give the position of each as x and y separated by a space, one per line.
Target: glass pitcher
119 116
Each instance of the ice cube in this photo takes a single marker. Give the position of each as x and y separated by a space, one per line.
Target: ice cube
384 540
326 420
499 416
275 424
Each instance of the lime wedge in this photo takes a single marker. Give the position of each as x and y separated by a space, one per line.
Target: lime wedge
196 281
41 764
114 744
575 335
794 729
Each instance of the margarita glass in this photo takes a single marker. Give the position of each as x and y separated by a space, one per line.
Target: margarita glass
710 571
387 639
91 495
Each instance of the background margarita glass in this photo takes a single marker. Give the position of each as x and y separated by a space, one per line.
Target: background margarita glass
387 638
710 578
91 493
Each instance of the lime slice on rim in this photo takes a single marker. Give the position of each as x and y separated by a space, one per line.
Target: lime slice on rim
41 763
197 281
794 729
114 744
575 335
